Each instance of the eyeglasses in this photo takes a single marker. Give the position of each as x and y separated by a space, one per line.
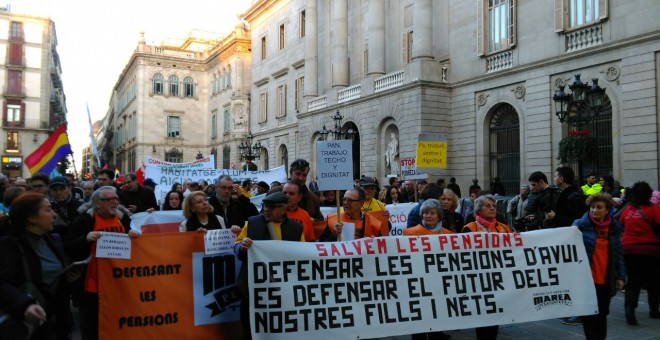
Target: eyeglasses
350 200
108 199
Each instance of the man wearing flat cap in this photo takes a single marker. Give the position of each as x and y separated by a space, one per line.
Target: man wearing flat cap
368 184
63 204
272 224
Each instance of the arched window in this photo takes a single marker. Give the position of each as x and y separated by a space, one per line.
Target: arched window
189 87
158 84
174 86
505 147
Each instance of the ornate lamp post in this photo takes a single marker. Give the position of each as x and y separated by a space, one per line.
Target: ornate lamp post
578 109
199 155
336 131
582 105
249 152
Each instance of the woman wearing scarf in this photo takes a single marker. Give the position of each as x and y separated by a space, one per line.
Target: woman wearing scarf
199 214
485 211
602 240
431 224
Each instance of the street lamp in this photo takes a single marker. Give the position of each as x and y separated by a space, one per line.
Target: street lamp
249 151
577 109
336 131
582 105
199 155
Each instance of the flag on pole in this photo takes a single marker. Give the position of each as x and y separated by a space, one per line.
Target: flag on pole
140 174
44 159
91 136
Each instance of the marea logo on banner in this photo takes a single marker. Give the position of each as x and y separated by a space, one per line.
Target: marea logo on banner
542 300
216 295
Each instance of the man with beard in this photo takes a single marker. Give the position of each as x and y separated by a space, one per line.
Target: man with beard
228 203
81 243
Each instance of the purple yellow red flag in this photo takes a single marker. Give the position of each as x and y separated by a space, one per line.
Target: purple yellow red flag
53 149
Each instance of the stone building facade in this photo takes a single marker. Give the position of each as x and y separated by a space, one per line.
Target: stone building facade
33 102
482 73
179 100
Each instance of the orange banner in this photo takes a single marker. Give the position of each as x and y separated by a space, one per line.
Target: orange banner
169 290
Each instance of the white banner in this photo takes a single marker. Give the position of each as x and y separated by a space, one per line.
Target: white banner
165 176
398 216
391 286
203 163
157 221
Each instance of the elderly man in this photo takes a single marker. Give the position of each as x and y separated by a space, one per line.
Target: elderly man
292 189
228 203
365 226
272 225
137 198
85 231
63 203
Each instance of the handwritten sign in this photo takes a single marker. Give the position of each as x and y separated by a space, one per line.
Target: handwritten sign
219 241
431 151
334 164
113 246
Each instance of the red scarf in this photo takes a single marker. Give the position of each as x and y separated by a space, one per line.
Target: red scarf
488 223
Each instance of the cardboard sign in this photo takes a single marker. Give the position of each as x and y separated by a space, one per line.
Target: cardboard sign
334 164
113 246
409 170
431 152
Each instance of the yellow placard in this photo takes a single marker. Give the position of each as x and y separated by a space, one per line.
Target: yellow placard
431 154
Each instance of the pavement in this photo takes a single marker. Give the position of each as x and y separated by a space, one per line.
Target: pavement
617 327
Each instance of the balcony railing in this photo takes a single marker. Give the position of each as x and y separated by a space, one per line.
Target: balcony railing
349 93
317 103
388 81
584 38
26 124
500 61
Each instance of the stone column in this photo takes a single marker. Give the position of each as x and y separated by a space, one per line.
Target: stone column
422 30
339 43
311 50
376 31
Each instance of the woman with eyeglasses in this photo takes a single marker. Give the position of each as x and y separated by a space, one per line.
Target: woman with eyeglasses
601 235
199 215
485 211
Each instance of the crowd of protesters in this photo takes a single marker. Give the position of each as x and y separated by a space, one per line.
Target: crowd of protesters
49 223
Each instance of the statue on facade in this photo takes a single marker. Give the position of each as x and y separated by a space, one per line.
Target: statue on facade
392 155
240 117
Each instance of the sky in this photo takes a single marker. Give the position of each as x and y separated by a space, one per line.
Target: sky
96 39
